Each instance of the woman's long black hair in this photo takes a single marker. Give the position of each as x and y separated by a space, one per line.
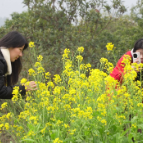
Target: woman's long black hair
13 40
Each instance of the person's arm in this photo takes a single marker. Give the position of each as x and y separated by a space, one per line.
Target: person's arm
5 92
118 71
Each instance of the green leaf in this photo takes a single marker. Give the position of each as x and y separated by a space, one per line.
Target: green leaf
31 140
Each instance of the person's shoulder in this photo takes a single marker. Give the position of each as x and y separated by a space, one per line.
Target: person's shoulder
128 53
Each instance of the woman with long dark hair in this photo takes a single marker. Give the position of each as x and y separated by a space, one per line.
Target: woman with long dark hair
12 46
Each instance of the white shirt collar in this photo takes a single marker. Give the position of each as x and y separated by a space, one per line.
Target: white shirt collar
6 55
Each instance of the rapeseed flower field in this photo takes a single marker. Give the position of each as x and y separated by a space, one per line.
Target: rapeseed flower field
76 107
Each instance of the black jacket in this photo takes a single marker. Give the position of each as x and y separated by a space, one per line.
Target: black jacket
6 91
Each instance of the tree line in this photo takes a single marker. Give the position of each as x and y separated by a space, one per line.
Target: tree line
56 25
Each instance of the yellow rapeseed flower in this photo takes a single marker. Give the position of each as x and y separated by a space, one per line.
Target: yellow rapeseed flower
37 64
83 76
39 58
31 71
140 104
104 121
40 69
109 46
6 126
27 83
103 60
80 49
57 78
57 140
23 81
15 90
3 105
43 130
59 122
50 84
79 57
66 125
126 60
47 75
9 115
134 126
15 94
88 65
31 44
66 53
57 90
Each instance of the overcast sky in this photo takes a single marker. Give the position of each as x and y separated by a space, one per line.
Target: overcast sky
7 7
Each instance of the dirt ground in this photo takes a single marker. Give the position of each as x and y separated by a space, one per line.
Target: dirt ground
4 138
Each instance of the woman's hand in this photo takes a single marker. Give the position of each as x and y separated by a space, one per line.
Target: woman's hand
136 66
32 86
137 69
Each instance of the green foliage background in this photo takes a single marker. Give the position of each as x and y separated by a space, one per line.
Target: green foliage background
56 25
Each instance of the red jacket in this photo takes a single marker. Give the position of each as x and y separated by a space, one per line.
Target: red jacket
118 71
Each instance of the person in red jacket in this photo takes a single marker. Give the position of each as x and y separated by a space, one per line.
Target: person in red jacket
118 71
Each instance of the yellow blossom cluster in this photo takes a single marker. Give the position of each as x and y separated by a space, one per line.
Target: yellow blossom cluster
80 49
23 81
31 44
66 54
74 107
109 46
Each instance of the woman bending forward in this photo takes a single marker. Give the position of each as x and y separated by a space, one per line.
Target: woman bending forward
12 46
